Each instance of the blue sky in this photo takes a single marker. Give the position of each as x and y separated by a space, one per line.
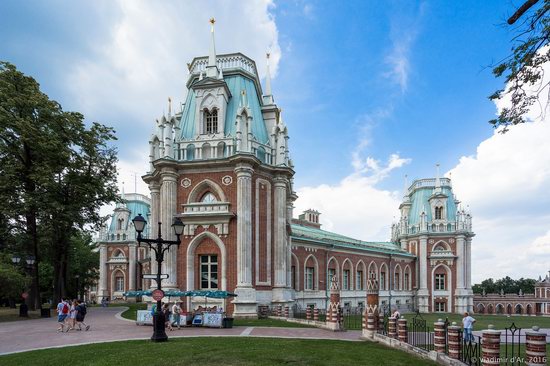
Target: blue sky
370 91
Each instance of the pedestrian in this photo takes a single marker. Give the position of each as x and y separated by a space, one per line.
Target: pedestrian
80 315
62 313
468 324
396 314
72 315
176 310
167 313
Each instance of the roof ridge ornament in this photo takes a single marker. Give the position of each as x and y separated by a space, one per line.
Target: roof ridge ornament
437 179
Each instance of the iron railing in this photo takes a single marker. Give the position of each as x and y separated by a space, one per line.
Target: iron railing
352 317
470 352
420 334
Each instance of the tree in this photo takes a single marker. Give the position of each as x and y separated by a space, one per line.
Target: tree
13 282
506 284
55 174
523 69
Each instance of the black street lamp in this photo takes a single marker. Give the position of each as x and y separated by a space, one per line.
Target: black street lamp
77 286
159 246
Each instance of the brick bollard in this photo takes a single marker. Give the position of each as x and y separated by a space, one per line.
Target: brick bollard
392 328
279 310
333 311
316 314
455 343
287 311
535 347
490 346
402 333
308 313
439 336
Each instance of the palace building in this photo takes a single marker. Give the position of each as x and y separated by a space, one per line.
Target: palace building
222 165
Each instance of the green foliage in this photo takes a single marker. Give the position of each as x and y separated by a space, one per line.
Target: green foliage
13 282
523 69
55 174
510 286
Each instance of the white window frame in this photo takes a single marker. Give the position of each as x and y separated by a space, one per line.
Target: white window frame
439 279
309 274
209 263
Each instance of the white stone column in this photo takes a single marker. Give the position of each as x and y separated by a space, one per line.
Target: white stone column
154 188
468 263
168 201
279 229
132 249
245 302
460 271
244 225
288 249
423 292
102 290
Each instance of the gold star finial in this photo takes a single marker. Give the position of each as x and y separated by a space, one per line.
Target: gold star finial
212 20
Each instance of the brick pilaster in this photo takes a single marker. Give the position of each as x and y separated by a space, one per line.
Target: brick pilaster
392 327
535 348
439 336
490 347
455 341
402 332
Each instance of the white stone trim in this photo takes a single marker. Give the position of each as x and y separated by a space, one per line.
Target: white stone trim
443 293
364 277
192 198
190 256
315 275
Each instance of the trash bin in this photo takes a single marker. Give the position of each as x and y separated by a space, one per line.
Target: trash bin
45 313
228 322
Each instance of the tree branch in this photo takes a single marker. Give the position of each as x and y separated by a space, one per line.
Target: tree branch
522 9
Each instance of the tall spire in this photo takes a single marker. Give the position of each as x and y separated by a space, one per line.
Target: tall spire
169 107
406 188
437 180
268 97
212 68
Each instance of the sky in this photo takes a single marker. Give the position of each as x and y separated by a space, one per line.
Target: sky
371 91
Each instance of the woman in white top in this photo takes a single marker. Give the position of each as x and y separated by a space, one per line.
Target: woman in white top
72 315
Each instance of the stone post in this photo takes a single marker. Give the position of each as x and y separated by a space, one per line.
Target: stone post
535 347
455 343
308 313
371 312
245 302
132 264
316 314
392 327
490 346
402 333
333 311
279 310
102 272
439 336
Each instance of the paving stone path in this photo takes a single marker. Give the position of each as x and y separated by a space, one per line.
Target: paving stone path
106 326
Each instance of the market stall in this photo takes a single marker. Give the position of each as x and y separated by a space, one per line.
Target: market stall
214 316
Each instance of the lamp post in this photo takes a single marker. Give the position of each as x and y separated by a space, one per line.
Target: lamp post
159 246
77 286
15 259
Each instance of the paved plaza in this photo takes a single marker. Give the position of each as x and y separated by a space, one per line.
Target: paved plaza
106 326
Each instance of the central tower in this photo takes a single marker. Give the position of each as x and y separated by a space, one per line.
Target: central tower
222 165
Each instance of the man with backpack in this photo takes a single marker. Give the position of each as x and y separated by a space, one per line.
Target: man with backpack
62 313
81 314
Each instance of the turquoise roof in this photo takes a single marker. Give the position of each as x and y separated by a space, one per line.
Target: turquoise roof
235 84
308 233
136 207
420 203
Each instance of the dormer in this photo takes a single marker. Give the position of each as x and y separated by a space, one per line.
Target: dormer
211 98
310 218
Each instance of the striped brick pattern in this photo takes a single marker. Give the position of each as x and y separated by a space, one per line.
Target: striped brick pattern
439 336
287 311
455 343
392 327
490 347
535 348
402 333
308 313
316 314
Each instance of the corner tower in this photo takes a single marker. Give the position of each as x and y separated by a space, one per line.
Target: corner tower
222 165
439 233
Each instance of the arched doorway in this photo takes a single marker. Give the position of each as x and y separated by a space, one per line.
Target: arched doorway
500 309
519 309
529 309
480 309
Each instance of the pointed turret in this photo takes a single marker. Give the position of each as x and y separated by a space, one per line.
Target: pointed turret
212 69
437 180
268 96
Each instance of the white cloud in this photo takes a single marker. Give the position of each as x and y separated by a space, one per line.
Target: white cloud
355 207
506 183
128 79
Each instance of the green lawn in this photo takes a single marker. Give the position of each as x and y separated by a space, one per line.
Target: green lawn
220 351
133 307
10 315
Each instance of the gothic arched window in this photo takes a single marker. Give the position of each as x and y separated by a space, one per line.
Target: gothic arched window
438 212
120 223
211 121
209 198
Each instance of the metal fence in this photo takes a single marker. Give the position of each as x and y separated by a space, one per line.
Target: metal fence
514 345
470 352
383 321
420 334
352 317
